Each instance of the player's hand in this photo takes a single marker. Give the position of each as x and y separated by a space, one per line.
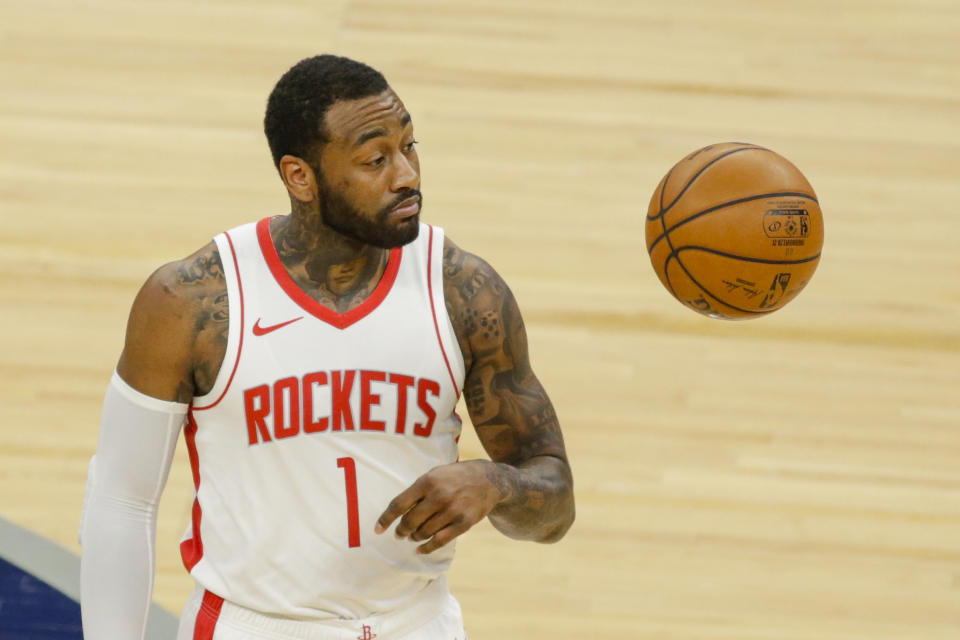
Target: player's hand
443 503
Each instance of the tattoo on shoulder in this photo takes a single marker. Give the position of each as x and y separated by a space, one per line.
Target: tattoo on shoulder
205 266
203 274
470 275
452 261
482 309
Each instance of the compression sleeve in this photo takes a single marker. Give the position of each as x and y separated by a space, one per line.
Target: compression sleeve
138 436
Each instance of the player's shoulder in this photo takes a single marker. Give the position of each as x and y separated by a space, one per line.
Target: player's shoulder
173 307
178 285
467 272
461 265
480 305
471 285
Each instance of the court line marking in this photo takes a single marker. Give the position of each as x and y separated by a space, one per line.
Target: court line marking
60 568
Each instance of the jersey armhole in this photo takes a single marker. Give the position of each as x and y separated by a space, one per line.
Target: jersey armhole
447 336
235 325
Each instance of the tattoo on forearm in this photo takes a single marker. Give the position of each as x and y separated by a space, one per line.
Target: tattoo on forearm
537 499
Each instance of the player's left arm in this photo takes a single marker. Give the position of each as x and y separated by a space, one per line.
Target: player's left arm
526 488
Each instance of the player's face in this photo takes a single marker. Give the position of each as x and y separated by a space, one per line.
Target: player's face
369 184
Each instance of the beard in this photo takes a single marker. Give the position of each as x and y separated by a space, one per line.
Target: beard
339 215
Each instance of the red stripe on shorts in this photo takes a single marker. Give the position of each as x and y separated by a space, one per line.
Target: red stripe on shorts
207 617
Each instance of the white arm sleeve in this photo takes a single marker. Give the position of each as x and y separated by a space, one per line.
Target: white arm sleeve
138 435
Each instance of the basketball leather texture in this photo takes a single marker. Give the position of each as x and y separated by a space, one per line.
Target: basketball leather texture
734 231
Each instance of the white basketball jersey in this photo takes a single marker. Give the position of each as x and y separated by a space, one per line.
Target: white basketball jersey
316 421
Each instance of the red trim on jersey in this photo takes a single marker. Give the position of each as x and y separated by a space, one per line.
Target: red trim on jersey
236 269
207 616
191 550
433 311
298 295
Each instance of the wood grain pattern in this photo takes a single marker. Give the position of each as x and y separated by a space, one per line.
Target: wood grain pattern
788 478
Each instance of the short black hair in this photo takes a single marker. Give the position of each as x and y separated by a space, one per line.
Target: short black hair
299 101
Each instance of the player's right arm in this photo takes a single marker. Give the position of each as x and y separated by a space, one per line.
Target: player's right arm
177 330
175 333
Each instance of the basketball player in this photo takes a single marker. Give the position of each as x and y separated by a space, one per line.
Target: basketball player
315 360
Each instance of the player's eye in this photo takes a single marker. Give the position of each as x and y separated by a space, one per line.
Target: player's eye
376 162
409 146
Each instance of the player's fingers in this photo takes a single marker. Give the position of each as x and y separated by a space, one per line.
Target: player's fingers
455 528
432 525
399 506
418 515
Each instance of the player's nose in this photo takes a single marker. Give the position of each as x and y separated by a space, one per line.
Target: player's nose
406 175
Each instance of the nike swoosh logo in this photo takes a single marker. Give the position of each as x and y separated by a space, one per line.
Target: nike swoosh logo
262 331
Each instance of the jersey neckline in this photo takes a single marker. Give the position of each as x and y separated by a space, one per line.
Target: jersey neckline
298 295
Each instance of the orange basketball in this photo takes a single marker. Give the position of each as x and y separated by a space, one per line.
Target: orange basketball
734 231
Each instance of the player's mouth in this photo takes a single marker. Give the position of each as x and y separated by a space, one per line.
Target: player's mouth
406 209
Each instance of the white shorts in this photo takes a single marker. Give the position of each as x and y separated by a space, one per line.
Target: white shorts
437 616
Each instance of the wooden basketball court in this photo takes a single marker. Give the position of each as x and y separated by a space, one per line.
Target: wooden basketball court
795 477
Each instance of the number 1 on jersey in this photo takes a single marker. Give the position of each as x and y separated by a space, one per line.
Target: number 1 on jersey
349 467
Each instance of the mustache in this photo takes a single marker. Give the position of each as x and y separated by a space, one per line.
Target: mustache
406 195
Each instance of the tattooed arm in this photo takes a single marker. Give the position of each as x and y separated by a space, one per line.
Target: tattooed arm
526 488
510 410
177 324
177 330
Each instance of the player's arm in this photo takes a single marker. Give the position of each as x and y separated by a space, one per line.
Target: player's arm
143 411
509 408
526 488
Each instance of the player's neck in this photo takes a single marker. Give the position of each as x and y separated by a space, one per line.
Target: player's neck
324 262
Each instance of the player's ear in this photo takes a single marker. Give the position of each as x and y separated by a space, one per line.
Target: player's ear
299 178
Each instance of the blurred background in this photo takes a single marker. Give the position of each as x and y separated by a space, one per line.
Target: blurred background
794 477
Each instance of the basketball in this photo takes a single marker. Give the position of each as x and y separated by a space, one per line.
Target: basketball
734 231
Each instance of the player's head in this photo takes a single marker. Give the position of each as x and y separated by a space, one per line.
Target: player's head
294 122
343 143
